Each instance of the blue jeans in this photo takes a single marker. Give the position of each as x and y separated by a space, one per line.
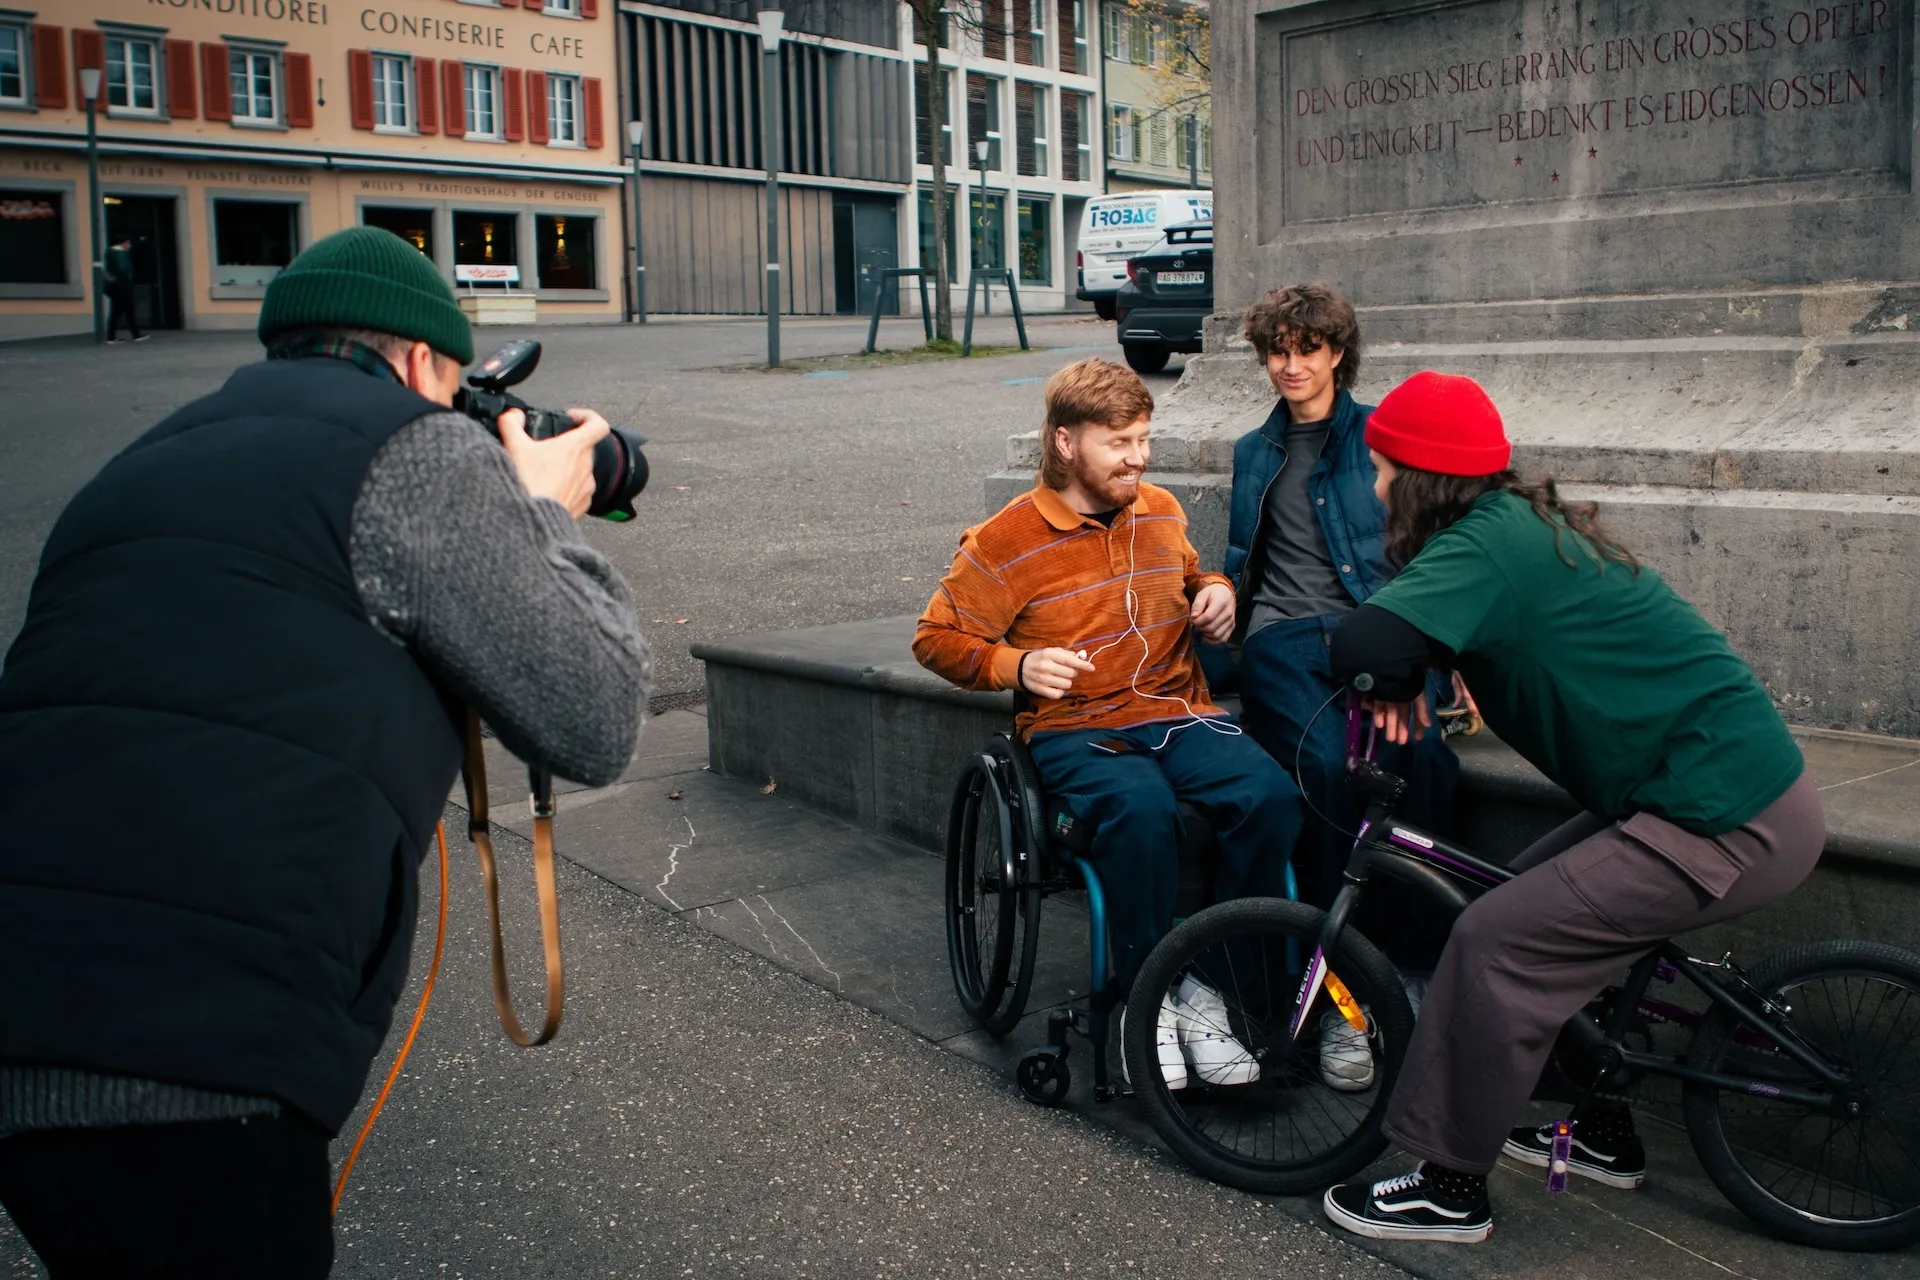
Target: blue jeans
1131 801
1285 677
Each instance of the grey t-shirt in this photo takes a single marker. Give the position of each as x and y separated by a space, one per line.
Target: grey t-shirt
1297 578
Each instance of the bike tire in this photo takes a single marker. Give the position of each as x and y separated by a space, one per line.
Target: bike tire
1806 978
1288 1079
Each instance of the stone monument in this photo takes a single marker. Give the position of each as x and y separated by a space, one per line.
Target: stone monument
1677 243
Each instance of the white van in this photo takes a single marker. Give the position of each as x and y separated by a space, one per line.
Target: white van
1121 226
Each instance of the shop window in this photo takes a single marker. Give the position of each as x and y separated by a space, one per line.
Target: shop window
926 235
415 226
486 239
132 80
253 240
563 111
1120 130
988 222
33 237
483 101
13 64
1036 249
564 243
392 99
255 78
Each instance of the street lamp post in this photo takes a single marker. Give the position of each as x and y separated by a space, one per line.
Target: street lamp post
771 22
96 211
637 143
980 150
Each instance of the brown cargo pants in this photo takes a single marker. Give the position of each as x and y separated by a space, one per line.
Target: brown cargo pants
1594 897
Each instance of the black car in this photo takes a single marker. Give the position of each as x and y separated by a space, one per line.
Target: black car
1167 297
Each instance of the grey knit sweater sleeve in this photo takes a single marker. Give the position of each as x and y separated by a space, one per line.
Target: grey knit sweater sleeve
500 597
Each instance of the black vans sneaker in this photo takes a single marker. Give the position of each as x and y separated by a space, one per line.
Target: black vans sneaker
1410 1207
1618 1162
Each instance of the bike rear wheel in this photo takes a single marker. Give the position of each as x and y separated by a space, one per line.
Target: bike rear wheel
1289 1131
1828 1179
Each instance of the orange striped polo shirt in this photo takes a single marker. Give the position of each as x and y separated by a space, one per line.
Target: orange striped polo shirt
1039 575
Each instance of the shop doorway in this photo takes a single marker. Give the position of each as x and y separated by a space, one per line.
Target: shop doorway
148 222
866 243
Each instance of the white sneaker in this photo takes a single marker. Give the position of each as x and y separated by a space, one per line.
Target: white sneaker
1346 1063
1217 1057
1173 1064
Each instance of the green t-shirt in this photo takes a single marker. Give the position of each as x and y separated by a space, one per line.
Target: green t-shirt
1610 683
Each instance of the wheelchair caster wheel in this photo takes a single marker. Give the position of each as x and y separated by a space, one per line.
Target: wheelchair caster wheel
1044 1077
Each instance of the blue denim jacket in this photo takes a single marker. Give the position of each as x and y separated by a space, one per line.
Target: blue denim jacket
1341 482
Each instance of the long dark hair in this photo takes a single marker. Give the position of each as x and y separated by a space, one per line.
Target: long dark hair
1422 503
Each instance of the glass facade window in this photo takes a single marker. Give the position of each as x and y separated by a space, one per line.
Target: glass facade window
1037 35
1120 127
1076 136
486 239
983 118
987 221
1115 24
564 245
1036 251
563 111
13 64
253 240
923 116
415 226
254 76
483 100
33 237
1030 129
392 103
926 236
132 85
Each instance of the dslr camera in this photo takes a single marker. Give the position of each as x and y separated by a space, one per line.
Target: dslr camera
619 467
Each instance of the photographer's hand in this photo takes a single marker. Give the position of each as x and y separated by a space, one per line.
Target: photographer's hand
560 468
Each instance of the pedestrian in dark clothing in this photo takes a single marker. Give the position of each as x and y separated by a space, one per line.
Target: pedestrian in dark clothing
227 730
120 299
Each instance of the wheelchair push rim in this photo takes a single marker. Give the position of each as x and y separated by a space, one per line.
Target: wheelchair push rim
991 910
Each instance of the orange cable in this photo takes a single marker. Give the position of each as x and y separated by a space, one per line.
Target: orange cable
406 1046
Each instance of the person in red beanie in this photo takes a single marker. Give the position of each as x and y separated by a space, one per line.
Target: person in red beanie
1593 668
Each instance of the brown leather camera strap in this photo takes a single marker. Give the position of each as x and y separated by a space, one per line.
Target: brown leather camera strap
475 774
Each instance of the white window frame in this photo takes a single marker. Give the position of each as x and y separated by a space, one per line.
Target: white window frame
571 83
23 36
1117 29
156 72
561 8
1083 103
1037 33
252 59
994 134
470 75
1042 109
1120 125
409 121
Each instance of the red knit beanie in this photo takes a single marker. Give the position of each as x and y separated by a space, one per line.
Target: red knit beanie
1440 422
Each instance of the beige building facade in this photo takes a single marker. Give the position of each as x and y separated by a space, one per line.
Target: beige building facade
233 133
1148 103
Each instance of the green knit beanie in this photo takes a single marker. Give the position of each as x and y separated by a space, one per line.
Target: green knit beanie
367 278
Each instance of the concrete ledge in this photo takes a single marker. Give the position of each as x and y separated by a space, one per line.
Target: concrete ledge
843 719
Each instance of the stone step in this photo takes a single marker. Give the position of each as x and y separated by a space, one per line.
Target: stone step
843 719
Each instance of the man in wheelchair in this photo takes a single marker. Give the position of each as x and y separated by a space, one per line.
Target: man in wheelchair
1086 594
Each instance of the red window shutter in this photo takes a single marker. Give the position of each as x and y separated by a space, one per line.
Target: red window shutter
515 104
596 130
538 127
299 90
455 120
360 88
50 65
589 8
216 81
183 96
89 51
426 101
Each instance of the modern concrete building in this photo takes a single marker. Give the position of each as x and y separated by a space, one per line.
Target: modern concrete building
694 73
235 132
1150 96
1021 76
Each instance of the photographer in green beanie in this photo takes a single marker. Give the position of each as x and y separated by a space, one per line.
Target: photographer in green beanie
228 727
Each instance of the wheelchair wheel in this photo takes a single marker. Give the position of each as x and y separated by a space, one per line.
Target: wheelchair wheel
1259 1109
1844 1178
993 908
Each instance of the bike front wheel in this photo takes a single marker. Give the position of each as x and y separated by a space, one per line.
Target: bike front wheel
1212 1058
1842 1177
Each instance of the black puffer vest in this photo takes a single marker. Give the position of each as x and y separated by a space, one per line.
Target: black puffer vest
217 779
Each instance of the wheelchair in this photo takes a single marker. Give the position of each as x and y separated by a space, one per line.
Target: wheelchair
1008 850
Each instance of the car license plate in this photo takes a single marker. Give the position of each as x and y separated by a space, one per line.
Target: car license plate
1180 277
